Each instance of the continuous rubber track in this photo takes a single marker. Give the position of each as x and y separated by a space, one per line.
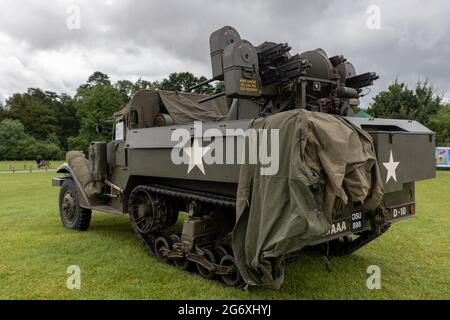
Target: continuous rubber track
148 240
204 197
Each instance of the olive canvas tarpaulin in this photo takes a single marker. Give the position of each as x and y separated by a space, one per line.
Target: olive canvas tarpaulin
325 162
183 107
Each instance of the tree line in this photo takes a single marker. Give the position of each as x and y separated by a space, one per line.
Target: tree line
420 104
39 122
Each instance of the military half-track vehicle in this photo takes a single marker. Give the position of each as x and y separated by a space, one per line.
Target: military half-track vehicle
135 173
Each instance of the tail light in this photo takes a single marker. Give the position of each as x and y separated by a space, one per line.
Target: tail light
412 209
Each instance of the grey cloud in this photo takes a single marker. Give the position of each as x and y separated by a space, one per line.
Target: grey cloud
150 39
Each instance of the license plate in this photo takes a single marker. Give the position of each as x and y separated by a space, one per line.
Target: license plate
399 212
356 221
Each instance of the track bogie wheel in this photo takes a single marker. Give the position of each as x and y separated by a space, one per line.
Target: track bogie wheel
233 279
162 245
204 272
182 263
221 251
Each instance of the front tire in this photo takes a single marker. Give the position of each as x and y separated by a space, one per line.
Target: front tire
73 216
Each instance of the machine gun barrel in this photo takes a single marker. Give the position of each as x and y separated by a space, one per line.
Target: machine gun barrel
273 55
212 97
362 80
200 84
289 69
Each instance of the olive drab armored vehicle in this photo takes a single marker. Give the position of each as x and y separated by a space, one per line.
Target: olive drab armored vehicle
339 181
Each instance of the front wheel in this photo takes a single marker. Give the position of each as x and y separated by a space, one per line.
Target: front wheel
73 216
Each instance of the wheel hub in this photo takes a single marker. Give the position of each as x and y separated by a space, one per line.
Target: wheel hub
68 206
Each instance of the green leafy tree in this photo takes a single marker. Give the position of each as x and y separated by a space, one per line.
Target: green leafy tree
67 120
12 132
3 113
31 148
34 110
95 104
126 88
43 113
175 82
16 144
142 84
183 81
440 123
219 87
400 102
95 79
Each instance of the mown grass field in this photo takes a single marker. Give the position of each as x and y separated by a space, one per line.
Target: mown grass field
35 251
25 165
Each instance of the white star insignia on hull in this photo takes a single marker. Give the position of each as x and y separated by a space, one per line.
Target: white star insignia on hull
195 154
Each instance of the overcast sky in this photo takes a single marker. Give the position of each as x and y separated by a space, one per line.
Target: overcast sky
150 39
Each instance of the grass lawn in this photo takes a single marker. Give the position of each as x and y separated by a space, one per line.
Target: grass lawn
26 164
35 251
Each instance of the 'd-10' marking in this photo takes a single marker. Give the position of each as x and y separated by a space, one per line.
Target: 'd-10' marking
399 212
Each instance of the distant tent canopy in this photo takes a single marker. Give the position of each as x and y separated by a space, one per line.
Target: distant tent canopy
362 114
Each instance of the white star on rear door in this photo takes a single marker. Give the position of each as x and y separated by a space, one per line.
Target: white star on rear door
391 166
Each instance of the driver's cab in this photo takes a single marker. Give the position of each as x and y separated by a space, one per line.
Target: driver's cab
118 144
140 112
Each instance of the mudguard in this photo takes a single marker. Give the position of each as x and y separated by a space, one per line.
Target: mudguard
82 196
